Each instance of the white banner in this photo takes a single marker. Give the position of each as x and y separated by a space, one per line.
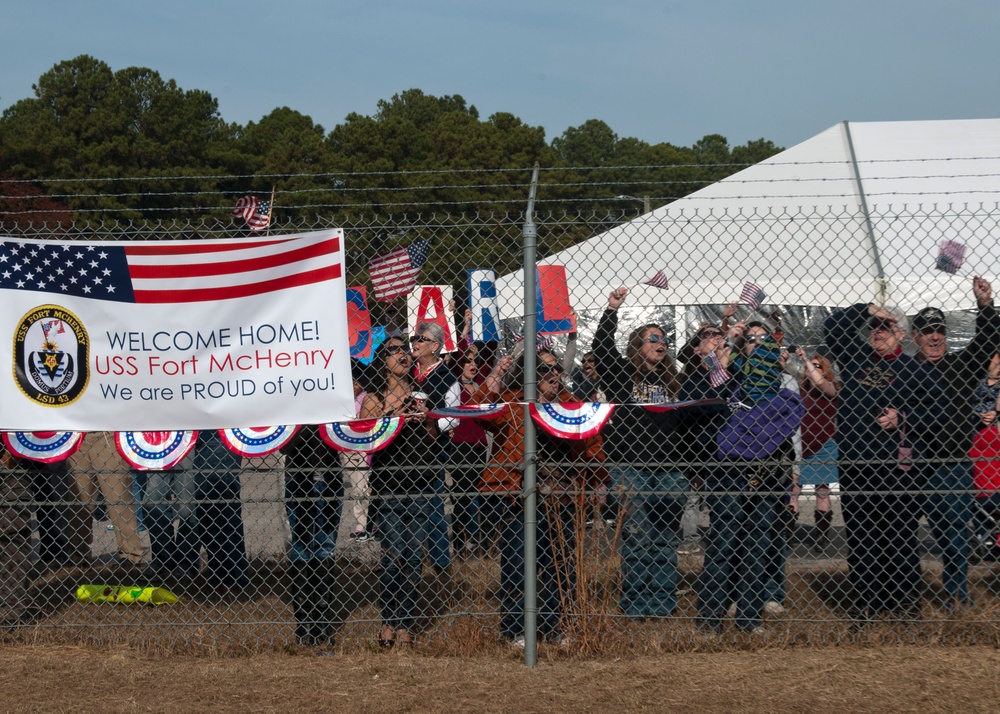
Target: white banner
433 303
174 335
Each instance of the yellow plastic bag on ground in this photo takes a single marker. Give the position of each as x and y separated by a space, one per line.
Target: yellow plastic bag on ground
125 594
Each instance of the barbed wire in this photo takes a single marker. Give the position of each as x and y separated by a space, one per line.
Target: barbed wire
528 169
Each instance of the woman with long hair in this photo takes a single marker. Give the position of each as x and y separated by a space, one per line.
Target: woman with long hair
744 492
402 480
818 386
643 450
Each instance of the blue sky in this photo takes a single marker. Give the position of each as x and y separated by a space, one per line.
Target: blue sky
658 70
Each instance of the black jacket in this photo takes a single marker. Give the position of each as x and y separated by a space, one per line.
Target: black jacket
871 384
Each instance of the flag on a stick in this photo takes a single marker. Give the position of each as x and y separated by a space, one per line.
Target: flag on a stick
395 273
752 295
950 257
255 212
542 342
658 281
717 374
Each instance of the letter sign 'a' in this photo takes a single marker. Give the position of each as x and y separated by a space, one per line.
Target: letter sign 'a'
433 303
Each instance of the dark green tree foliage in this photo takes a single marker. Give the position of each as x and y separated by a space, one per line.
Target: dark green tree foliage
87 122
105 143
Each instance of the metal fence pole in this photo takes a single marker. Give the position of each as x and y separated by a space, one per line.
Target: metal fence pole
530 493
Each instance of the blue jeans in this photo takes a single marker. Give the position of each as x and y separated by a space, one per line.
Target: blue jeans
220 511
139 481
172 549
313 509
556 583
652 505
948 515
467 464
404 525
736 557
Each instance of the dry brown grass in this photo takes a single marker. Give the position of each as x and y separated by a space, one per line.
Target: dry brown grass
465 621
810 680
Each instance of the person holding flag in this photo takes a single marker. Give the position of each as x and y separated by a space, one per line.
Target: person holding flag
947 501
644 451
562 496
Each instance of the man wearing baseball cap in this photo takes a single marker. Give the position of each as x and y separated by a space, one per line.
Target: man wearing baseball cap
948 498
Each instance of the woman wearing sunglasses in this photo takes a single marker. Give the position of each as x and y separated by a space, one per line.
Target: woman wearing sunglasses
889 407
744 492
567 470
644 450
402 480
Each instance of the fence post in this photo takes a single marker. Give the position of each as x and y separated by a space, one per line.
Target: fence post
530 502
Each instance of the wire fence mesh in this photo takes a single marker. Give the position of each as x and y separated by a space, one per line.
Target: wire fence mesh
824 470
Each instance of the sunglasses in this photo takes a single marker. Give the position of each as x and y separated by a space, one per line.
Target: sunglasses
418 340
395 349
656 339
879 323
934 330
753 339
544 369
709 334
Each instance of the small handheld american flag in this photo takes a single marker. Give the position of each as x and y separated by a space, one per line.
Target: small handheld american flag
950 257
542 342
752 295
717 374
658 281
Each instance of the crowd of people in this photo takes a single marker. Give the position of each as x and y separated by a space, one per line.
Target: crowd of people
731 428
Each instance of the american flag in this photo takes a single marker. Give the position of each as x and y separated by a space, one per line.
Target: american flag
717 374
395 273
658 281
752 295
255 212
951 256
542 342
170 271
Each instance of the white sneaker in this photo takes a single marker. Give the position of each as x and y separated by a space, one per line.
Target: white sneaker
774 609
731 612
517 642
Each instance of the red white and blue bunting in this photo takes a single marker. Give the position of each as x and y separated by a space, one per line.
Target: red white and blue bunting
48 447
257 441
571 420
469 411
154 450
365 435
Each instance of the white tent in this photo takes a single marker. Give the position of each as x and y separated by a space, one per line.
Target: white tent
853 214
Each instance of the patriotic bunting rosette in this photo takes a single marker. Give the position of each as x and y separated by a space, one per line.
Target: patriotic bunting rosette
670 406
469 411
571 420
154 450
47 447
257 440
364 435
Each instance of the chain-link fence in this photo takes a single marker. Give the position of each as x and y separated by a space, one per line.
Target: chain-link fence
778 466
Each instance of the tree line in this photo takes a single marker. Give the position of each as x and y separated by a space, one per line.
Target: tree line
129 145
